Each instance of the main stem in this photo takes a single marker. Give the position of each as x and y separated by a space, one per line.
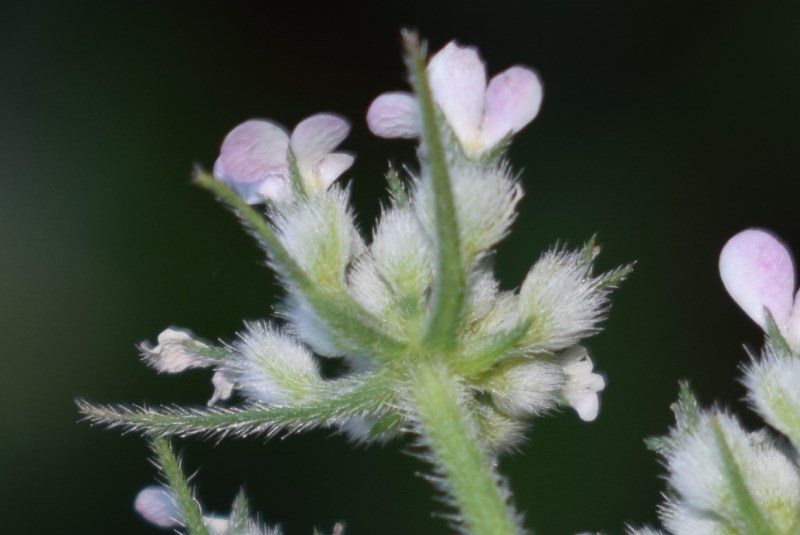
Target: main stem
467 468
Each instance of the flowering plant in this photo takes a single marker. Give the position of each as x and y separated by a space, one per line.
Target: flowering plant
431 346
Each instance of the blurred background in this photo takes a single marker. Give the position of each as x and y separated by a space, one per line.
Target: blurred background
666 128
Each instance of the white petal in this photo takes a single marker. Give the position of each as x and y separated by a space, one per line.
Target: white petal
252 155
276 188
331 167
757 270
394 115
586 404
157 505
576 361
513 99
223 387
317 136
218 524
458 83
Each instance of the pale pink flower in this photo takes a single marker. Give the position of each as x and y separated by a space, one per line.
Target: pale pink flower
175 351
757 270
480 115
254 158
157 504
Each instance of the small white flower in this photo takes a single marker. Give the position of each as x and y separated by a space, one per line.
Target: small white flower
480 115
157 505
174 352
177 351
255 157
223 386
582 386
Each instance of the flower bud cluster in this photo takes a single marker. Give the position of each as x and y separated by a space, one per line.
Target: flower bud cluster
519 347
422 290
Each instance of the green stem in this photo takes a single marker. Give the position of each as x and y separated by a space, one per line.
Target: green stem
339 309
171 469
467 468
450 285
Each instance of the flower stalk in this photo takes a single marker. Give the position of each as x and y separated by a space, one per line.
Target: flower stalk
464 468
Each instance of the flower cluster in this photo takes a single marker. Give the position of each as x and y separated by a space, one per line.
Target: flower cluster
724 479
415 313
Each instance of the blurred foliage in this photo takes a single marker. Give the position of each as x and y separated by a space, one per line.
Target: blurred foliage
666 128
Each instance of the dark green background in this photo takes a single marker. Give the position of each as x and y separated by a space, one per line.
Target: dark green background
666 128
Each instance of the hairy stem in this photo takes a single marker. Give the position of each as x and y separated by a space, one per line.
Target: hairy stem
450 285
465 467
171 469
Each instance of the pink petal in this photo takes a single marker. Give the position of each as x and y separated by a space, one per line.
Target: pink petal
157 505
394 115
332 166
254 154
317 136
513 99
458 83
757 270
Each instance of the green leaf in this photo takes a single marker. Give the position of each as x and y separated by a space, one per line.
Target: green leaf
397 189
240 515
687 416
611 279
775 337
449 288
367 393
752 517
